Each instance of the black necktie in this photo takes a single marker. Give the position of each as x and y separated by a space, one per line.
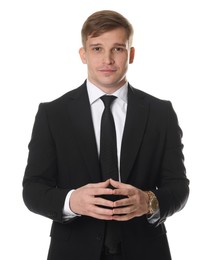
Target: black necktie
108 144
109 164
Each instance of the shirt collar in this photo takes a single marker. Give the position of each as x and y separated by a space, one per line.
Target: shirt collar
95 93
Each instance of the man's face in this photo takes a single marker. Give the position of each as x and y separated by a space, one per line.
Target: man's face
107 57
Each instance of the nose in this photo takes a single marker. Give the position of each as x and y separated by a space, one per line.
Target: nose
108 58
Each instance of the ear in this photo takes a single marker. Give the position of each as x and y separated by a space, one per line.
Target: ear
82 55
132 53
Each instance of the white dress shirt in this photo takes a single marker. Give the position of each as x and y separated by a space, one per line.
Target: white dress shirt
119 109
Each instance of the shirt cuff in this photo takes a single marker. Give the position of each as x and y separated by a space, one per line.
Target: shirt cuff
154 217
67 212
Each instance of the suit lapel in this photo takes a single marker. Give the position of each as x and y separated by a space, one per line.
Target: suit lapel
136 118
82 125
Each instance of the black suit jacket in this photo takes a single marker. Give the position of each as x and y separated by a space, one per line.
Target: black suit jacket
63 156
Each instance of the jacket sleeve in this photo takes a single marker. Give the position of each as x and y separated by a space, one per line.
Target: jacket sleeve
41 193
173 187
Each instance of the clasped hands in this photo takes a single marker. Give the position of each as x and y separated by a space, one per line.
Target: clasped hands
89 200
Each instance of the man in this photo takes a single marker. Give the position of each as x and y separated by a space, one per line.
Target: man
64 178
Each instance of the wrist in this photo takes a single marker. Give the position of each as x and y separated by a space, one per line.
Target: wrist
152 202
67 211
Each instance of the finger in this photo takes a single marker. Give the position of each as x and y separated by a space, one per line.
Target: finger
123 191
99 184
115 184
123 202
124 210
123 217
101 191
103 202
120 185
101 217
100 212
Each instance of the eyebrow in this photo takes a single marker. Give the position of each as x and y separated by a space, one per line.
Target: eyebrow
100 44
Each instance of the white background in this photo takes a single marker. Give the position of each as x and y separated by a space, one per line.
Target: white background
39 61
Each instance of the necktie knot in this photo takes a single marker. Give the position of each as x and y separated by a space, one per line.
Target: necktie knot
107 100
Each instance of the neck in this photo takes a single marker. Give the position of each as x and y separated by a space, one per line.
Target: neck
109 89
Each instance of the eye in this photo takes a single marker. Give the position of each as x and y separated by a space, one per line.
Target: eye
118 49
97 49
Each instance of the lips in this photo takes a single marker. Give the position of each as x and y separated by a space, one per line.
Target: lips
109 70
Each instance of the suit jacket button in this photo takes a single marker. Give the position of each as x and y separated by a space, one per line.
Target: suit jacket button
99 237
